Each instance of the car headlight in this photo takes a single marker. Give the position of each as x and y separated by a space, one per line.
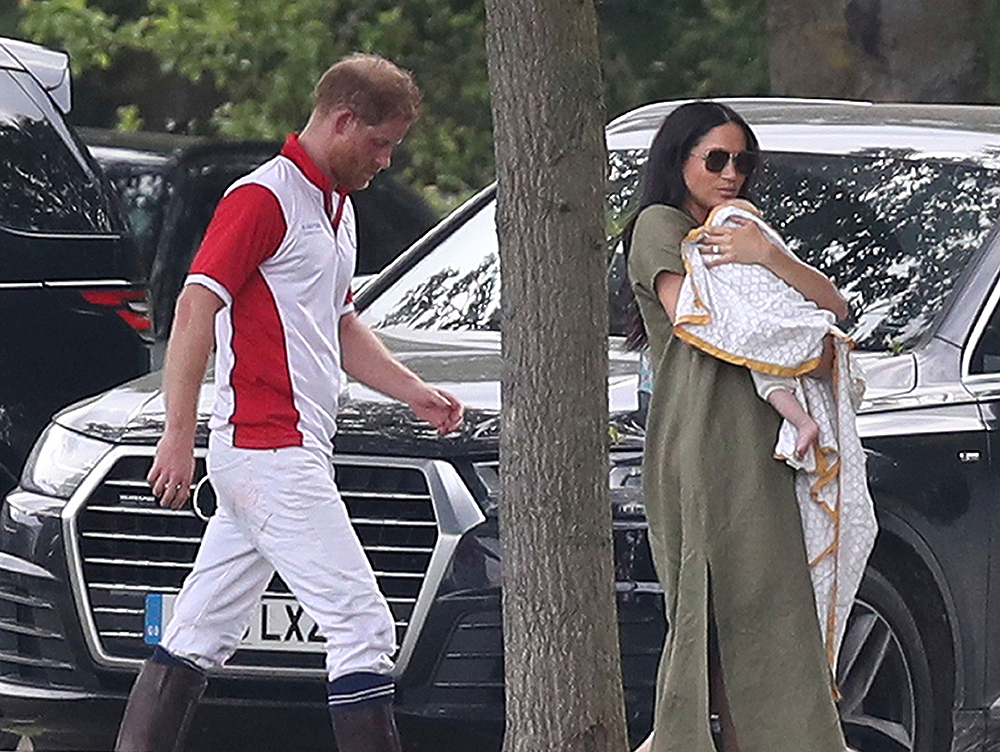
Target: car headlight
489 475
60 460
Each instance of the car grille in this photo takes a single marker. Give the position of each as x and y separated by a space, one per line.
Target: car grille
129 547
32 645
470 671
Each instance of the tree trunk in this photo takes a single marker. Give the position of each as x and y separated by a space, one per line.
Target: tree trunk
562 660
883 50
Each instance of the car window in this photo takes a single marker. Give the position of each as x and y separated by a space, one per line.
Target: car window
142 192
986 356
45 186
457 285
893 233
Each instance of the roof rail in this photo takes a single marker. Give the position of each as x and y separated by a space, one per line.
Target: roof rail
48 67
740 103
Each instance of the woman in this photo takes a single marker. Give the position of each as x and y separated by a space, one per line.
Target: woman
724 528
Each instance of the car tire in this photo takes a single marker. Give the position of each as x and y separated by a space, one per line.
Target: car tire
887 702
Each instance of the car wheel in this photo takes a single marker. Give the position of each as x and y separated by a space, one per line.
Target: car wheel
883 674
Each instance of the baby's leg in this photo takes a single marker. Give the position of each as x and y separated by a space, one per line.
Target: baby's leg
791 410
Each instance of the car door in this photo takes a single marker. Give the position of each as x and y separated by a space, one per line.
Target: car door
981 373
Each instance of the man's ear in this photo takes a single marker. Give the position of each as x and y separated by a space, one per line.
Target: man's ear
342 121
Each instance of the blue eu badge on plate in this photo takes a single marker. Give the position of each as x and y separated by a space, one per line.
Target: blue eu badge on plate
154 618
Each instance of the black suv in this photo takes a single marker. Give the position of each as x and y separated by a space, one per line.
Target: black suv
898 203
72 302
169 185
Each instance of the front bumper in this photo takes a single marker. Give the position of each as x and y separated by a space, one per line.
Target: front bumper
52 679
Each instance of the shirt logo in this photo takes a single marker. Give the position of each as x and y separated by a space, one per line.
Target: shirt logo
312 228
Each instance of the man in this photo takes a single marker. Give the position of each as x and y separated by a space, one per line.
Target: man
270 288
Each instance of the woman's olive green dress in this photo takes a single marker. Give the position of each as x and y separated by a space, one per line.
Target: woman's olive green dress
722 510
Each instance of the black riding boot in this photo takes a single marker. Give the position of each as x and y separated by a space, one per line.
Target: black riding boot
160 708
367 728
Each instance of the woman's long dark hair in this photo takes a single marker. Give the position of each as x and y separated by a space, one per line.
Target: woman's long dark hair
663 180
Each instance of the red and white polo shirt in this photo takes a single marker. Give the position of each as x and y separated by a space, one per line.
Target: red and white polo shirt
280 252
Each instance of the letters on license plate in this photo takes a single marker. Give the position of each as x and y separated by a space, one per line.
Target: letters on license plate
279 623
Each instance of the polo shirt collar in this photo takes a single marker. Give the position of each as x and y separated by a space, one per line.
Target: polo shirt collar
292 149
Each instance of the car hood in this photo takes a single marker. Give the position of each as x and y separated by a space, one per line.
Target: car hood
467 364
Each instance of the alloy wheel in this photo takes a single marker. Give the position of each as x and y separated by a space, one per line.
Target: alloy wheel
878 705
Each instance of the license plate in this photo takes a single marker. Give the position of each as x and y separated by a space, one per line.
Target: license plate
279 623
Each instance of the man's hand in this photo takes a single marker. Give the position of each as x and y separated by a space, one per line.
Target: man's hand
365 358
437 407
172 470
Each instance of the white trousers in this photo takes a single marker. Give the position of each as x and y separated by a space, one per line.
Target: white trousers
279 510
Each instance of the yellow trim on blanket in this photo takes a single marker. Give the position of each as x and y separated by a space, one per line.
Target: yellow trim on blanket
739 360
831 617
827 471
828 464
701 318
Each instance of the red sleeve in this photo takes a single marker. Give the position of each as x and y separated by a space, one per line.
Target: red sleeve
247 228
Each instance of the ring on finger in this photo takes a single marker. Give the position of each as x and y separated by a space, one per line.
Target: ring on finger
715 249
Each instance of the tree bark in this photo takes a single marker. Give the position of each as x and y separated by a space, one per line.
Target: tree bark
883 50
562 660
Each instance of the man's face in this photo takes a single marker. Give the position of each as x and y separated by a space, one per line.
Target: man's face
361 151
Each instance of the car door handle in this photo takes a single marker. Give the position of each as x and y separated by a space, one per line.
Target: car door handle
969 456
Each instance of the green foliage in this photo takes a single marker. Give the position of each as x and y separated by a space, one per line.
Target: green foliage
85 31
256 61
669 49
245 68
128 119
10 18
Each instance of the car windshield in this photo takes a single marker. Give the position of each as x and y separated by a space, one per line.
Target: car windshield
893 233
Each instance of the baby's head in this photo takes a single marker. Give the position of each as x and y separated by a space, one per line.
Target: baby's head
742 203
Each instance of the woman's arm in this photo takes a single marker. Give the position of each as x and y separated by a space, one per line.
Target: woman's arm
812 283
747 244
668 286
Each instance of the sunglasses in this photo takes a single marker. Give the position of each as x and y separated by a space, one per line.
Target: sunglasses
717 159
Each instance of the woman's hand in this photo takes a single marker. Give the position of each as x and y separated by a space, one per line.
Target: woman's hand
743 244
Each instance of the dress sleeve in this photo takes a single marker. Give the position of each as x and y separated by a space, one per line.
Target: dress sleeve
656 244
247 227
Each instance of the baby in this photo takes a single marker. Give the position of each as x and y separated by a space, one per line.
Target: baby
779 320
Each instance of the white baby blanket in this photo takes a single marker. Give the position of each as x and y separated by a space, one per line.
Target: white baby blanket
747 315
